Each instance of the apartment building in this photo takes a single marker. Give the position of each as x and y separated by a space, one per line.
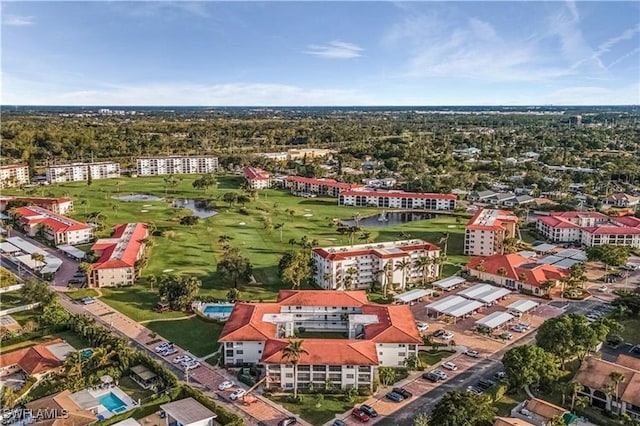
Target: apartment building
622 200
376 335
397 200
57 205
77 172
177 165
308 153
589 229
485 233
117 256
14 175
54 227
359 266
256 178
304 186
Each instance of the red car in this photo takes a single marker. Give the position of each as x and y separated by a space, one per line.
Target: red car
360 415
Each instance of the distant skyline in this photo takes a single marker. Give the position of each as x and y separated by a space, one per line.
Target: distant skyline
307 53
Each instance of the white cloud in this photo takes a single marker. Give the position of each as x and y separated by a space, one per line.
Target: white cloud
17 21
335 50
21 92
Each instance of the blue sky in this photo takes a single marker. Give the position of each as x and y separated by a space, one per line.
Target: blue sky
320 53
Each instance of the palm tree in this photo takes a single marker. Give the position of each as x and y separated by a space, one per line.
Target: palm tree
350 272
233 294
9 397
356 218
439 261
574 389
403 266
327 277
280 227
101 357
292 353
223 240
8 227
423 264
617 378
38 258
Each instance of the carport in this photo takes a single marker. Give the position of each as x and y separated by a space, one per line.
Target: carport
441 306
495 320
485 293
72 252
522 306
544 248
463 309
413 295
449 283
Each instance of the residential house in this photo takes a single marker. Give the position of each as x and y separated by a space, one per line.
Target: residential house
621 200
54 227
517 272
117 256
538 412
58 410
360 266
376 335
38 361
187 412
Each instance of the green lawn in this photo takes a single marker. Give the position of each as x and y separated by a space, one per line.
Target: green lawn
11 299
317 412
133 389
432 357
448 270
631 332
82 293
195 334
509 401
194 250
73 339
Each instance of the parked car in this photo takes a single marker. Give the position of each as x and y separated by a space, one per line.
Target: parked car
603 288
170 351
524 325
226 385
162 346
395 397
402 391
422 326
369 410
449 366
474 389
472 353
506 336
439 333
360 415
192 365
485 384
288 421
447 335
431 377
518 329
88 300
339 422
500 375
238 393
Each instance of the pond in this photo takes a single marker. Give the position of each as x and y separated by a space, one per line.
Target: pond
389 219
200 208
137 197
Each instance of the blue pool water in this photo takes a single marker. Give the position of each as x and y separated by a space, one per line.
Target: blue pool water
218 309
111 402
87 353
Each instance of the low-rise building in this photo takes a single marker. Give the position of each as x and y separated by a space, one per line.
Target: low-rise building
517 272
60 205
486 230
177 165
256 178
397 199
376 335
305 186
77 172
360 266
14 175
58 409
308 153
54 227
621 200
187 412
116 265
39 360
589 229
595 375
275 156
380 183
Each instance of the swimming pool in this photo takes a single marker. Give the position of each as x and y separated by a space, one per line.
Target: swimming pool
112 403
218 309
86 353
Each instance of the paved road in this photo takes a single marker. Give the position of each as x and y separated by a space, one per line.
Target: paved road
484 369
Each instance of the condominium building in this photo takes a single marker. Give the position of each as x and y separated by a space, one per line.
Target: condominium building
54 227
14 175
177 165
397 200
304 186
485 233
77 172
308 153
256 178
117 256
590 229
360 266
57 205
376 335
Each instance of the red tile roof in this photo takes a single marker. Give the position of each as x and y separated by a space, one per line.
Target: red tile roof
37 200
401 194
515 265
362 250
13 166
327 182
573 215
630 221
503 216
342 352
254 173
611 230
396 323
121 251
34 215
557 222
34 359
322 298
245 323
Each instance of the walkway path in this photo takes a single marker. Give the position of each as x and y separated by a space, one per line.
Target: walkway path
206 377
168 319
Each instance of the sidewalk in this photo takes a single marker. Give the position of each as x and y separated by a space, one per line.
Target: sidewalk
205 377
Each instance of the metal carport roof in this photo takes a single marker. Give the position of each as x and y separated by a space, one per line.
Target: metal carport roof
495 320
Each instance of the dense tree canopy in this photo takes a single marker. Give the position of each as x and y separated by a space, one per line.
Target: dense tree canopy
234 268
609 254
569 335
530 365
178 290
460 408
296 267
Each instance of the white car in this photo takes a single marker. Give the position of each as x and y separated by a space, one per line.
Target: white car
447 336
238 393
163 346
472 353
180 358
449 366
170 351
603 288
192 365
226 385
422 326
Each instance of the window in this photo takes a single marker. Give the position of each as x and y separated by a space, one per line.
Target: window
350 376
402 354
239 352
289 375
